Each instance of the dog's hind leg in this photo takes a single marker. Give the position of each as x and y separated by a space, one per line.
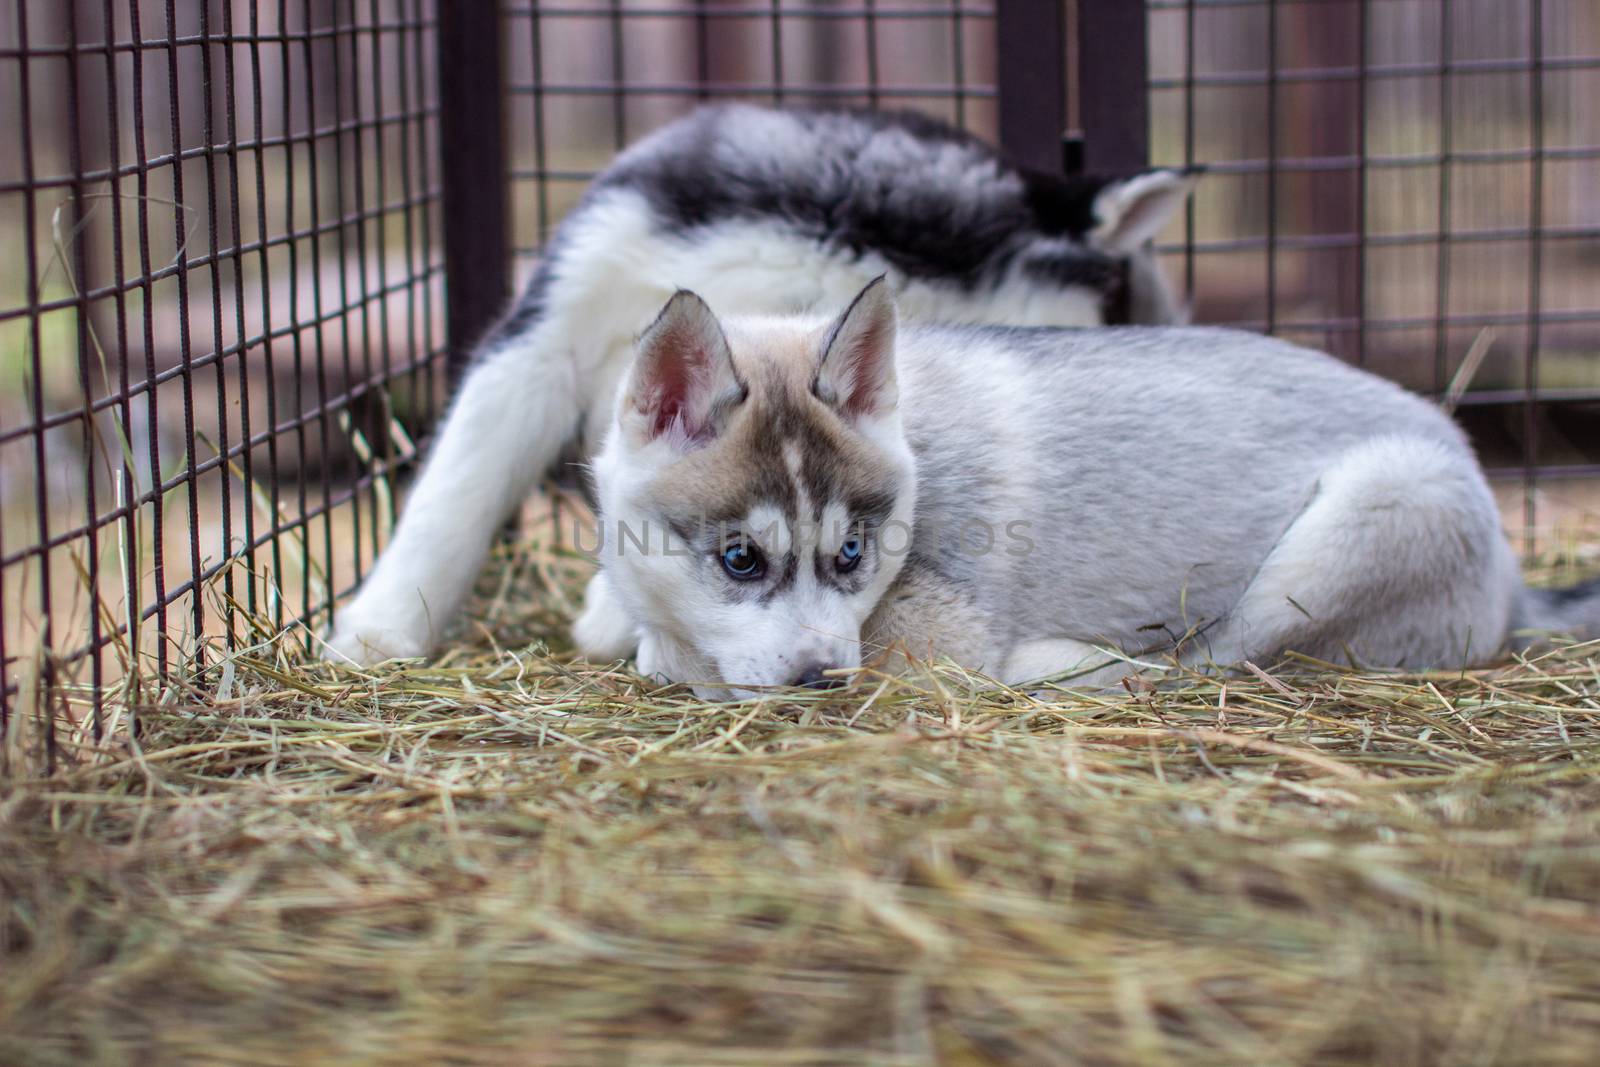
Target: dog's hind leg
1397 560
1074 664
510 419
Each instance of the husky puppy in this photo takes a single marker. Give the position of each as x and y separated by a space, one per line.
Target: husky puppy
781 496
762 212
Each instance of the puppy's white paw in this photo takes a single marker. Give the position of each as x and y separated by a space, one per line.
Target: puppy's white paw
650 662
366 647
363 636
603 632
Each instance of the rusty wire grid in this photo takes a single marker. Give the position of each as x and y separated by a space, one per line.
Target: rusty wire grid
221 318
1397 181
586 79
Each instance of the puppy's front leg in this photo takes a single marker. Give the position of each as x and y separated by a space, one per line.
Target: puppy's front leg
513 413
603 632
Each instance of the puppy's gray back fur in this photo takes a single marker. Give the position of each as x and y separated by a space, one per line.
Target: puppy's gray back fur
1190 451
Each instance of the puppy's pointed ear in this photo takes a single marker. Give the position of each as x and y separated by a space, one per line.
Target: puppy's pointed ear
683 381
1130 211
856 373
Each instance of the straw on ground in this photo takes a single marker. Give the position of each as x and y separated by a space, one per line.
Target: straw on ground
511 857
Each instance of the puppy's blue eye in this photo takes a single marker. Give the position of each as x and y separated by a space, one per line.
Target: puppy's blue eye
743 562
849 555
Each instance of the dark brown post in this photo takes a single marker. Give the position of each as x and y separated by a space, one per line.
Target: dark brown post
1111 86
476 212
1031 36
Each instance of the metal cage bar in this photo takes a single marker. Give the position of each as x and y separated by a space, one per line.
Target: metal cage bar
1032 37
472 157
1113 115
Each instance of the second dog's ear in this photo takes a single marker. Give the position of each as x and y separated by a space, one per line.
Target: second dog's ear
856 371
1131 211
683 378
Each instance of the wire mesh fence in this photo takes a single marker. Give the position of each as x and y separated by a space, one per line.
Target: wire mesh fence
225 331
220 324
1395 181
586 79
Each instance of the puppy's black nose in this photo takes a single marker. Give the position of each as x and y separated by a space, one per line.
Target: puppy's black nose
813 678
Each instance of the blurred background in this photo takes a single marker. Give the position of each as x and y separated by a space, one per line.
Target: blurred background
223 320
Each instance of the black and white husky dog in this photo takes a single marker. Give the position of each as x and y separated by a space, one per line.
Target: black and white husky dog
761 212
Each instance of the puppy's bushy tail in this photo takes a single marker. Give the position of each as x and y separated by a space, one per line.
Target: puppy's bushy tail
1574 611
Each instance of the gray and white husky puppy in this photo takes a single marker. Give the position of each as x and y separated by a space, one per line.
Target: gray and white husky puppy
760 211
785 495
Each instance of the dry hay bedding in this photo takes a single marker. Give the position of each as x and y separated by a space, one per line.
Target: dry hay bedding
507 856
